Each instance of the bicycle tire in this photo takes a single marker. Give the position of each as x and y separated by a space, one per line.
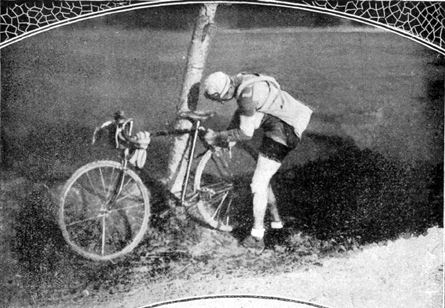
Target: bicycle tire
96 232
221 191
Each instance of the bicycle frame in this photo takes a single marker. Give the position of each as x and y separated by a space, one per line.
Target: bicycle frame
123 140
114 196
190 161
104 208
126 127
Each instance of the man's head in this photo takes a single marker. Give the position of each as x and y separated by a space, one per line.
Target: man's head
218 87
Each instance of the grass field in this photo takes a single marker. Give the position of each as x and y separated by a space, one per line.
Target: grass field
375 88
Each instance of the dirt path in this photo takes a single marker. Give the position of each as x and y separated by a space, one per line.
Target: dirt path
407 272
404 273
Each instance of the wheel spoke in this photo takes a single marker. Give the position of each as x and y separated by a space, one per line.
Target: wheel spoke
91 183
218 187
218 209
228 211
111 183
125 197
94 189
126 208
103 182
217 184
215 198
125 184
223 170
223 190
106 189
103 235
83 220
192 196
212 198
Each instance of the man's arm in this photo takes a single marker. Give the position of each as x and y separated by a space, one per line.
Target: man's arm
244 131
242 126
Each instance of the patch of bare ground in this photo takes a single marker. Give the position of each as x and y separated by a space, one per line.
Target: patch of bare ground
180 258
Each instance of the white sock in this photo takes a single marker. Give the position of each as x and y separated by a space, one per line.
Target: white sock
276 225
258 233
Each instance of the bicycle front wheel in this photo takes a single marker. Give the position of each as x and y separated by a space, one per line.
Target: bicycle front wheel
104 210
221 182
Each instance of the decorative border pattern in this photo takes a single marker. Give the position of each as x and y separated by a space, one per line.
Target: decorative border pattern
422 21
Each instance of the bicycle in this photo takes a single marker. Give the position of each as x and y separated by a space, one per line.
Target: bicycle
104 208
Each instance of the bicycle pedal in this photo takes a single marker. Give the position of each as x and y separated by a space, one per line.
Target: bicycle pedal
179 211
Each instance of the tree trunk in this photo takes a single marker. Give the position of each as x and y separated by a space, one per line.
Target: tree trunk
188 100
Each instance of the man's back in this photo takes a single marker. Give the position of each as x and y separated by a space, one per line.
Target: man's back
259 93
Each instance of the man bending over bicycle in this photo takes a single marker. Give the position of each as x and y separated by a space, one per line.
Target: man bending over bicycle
261 104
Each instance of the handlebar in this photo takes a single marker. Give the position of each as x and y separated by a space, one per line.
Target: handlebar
122 127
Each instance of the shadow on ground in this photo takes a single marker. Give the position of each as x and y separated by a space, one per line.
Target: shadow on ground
360 194
352 198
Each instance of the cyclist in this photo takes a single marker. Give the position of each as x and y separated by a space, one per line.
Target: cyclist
261 104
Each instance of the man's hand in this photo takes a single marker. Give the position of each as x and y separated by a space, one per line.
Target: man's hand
140 155
210 137
143 140
216 139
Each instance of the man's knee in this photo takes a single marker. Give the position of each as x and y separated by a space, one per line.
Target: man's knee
265 170
257 187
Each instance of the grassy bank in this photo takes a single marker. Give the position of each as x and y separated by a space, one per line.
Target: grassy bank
378 90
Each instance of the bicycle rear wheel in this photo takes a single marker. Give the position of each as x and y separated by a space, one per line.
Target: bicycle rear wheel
222 184
104 210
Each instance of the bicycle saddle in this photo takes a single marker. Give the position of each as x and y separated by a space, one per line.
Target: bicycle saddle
197 115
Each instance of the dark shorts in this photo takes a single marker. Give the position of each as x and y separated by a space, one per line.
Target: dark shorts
275 128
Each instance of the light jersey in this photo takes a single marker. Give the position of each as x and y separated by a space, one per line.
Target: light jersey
257 95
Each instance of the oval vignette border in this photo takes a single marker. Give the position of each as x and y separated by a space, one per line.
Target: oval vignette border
235 301
368 15
245 301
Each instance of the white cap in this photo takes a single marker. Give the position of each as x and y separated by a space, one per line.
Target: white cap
217 84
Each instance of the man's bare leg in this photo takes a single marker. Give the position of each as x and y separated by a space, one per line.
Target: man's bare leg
261 190
264 171
272 203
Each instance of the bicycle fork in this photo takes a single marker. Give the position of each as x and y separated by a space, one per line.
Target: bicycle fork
190 160
120 182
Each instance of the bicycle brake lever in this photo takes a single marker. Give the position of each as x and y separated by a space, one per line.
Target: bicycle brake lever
98 128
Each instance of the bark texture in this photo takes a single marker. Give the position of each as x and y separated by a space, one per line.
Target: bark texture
188 100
